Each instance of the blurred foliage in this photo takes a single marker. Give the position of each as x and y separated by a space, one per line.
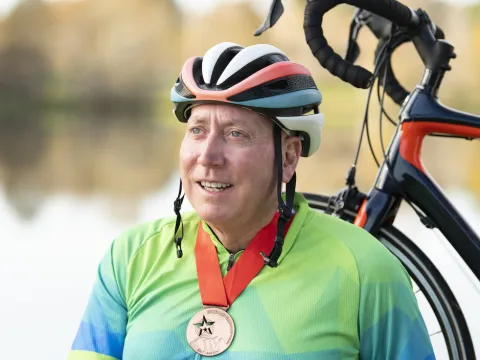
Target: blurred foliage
84 91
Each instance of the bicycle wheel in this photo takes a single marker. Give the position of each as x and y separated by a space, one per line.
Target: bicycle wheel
444 319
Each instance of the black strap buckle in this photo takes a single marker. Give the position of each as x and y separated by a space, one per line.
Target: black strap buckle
178 243
269 261
272 259
177 204
285 212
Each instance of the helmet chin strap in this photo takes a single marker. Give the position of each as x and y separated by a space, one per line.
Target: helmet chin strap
285 209
177 205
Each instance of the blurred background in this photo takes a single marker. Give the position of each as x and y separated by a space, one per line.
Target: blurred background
89 145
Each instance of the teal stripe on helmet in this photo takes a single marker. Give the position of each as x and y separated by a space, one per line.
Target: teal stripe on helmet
288 100
174 97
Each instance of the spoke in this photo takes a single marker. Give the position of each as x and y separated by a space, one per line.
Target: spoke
436 333
416 292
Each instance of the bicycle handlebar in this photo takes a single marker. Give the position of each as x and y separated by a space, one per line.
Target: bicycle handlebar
393 87
358 76
410 25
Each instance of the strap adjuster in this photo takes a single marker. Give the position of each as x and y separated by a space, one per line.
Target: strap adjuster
177 204
285 212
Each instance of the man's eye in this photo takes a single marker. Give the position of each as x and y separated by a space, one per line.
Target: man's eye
195 130
236 133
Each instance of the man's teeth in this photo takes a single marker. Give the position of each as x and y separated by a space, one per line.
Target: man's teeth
214 186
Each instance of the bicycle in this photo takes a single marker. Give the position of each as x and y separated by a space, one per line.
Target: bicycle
401 175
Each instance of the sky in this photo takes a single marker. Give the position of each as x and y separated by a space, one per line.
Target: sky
202 5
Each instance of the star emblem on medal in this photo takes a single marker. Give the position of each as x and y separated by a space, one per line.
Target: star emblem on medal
204 326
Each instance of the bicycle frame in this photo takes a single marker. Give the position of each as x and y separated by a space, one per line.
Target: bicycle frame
402 175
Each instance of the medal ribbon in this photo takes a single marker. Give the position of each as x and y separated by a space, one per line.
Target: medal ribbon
222 292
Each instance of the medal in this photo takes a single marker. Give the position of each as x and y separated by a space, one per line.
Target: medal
211 330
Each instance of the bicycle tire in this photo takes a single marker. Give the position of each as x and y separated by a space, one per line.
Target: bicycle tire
430 281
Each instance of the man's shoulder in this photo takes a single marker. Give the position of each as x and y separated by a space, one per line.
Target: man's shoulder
338 230
162 230
370 255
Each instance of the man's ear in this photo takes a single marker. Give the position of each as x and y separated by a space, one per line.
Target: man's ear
292 148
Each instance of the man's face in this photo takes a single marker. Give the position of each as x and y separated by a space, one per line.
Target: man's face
227 164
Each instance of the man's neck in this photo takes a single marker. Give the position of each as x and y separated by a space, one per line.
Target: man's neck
237 237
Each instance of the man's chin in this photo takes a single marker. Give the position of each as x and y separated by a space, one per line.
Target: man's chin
214 213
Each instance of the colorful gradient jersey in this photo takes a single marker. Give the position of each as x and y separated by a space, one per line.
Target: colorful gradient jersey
336 294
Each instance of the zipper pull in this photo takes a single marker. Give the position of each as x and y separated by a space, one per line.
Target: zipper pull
231 259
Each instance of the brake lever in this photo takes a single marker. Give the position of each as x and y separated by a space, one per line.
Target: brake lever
359 20
275 12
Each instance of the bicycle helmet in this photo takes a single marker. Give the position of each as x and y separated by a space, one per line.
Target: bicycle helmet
260 78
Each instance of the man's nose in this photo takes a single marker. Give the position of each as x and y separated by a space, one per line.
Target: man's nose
212 151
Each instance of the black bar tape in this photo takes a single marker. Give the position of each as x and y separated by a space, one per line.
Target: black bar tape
328 58
392 10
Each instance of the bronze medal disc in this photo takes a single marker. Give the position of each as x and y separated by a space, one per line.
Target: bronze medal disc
210 331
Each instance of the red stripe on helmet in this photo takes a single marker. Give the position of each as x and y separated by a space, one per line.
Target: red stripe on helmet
271 72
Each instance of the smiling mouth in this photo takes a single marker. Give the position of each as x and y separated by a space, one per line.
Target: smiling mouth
214 186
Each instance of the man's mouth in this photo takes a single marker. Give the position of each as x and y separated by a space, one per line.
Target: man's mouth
214 186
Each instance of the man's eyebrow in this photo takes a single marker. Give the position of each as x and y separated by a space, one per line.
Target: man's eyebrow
238 122
232 122
197 120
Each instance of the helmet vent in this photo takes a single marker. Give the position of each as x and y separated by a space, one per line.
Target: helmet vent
222 63
278 85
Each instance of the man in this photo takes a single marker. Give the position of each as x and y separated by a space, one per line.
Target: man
255 275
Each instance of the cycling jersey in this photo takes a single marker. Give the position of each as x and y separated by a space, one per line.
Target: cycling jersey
337 293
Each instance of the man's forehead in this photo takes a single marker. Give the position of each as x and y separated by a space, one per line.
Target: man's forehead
226 114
